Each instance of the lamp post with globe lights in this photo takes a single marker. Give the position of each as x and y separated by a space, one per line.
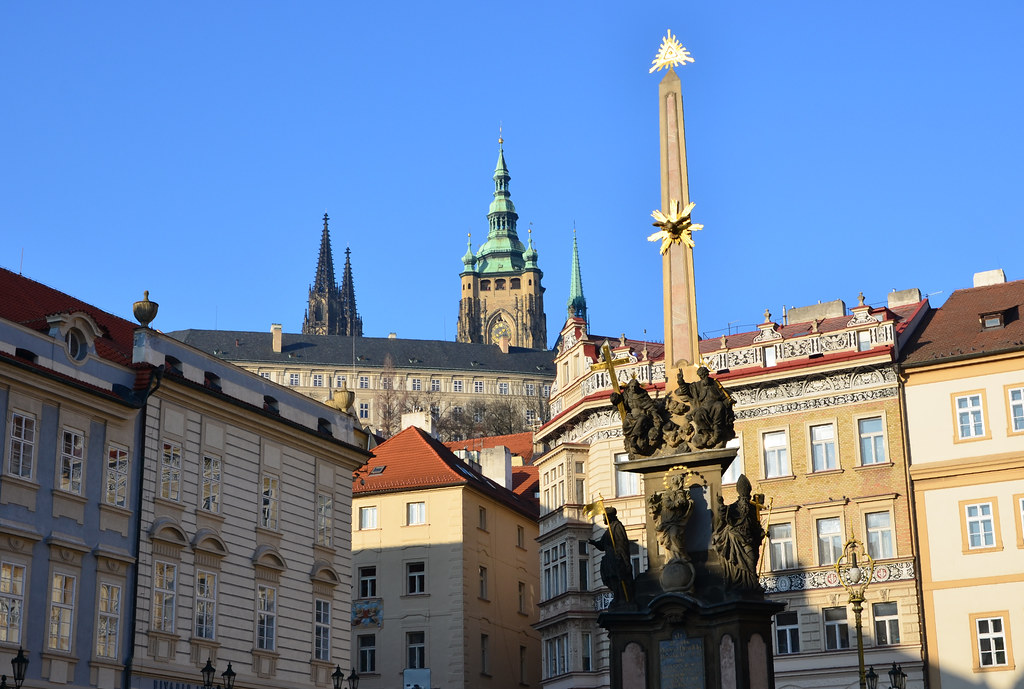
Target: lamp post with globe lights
856 578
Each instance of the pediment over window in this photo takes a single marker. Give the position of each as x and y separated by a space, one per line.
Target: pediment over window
168 530
268 556
323 573
209 541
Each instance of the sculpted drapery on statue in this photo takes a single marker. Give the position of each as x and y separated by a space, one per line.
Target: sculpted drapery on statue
737 537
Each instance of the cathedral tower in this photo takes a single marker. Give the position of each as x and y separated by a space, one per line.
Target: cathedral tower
501 293
577 302
331 311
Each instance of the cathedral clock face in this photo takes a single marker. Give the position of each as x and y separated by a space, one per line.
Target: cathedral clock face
499 330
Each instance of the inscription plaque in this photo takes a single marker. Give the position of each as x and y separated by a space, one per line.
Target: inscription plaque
682 662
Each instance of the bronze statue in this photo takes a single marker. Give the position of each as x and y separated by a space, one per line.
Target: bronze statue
712 414
671 510
616 568
737 538
642 425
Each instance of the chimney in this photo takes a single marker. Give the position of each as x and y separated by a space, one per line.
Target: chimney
496 464
904 297
392 336
423 420
503 344
989 277
275 337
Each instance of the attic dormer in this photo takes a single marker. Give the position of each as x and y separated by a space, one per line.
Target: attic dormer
78 331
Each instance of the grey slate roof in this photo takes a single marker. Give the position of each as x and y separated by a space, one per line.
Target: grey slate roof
370 352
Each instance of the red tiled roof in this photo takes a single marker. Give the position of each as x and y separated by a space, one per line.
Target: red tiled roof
28 303
520 444
954 330
413 460
526 484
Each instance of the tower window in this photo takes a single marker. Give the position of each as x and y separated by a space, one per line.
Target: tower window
499 284
485 285
514 283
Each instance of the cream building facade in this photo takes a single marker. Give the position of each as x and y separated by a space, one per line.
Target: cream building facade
965 416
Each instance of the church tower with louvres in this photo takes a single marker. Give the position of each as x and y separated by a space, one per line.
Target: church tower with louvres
502 300
331 310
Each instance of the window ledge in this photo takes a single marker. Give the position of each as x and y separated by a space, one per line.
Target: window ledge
879 465
826 472
69 496
978 551
774 479
415 595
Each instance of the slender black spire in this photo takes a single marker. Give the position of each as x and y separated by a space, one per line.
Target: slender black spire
325 264
351 323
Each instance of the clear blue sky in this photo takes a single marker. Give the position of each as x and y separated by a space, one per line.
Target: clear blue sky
191 149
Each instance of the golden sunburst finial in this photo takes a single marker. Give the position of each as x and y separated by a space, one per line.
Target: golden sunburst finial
670 53
676 227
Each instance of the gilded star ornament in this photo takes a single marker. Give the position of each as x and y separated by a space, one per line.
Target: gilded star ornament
670 53
676 227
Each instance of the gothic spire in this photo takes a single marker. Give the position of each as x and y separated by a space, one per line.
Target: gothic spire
324 281
577 302
351 323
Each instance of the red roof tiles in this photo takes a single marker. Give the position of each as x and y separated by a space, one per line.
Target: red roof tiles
520 444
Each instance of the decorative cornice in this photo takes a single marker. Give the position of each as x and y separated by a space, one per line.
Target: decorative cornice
827 578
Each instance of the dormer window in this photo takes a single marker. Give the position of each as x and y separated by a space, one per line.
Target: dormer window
76 346
992 321
77 330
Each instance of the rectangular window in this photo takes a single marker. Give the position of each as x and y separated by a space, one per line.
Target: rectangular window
863 340
367 653
417 384
206 605
368 582
165 587
339 381
321 629
830 540
483 582
523 665
435 385
879 529
1016 396
416 650
626 482
887 624
547 391
872 442
170 471
520 536
555 651
62 610
270 498
837 631
456 385
265 374
23 445
364 382
980 526
415 513
364 410
324 519
531 416
503 388
385 382
266 618
776 454
482 518
991 641
769 356
584 572
781 549
293 379
12 602
318 380
970 422
587 654
415 578
823 447
478 386
555 570
108 621
787 633
522 597
72 456
116 492
211 484
485 661
530 389
367 518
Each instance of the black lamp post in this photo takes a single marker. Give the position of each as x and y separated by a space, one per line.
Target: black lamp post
872 678
208 672
20 664
353 680
338 677
897 677
856 579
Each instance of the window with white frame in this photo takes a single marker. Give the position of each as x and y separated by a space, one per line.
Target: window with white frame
1016 397
324 519
108 620
787 633
415 513
872 440
364 382
735 468
456 385
116 492
339 381
837 631
23 445
72 458
823 447
206 605
980 525
483 582
485 652
482 518
555 655
520 536
776 454
368 582
887 623
385 382
522 597
416 650
991 637
415 578
878 526
769 356
782 551
417 384
547 391
969 418
368 518
321 629
503 388
587 652
210 497
170 471
530 389
165 589
555 570
478 386
270 499
830 540
626 482
266 618
364 410
318 380
293 379
435 385
583 566
12 602
62 612
367 645
531 416
863 340
265 374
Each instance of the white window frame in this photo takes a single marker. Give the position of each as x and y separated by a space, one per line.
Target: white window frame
775 456
116 476
415 578
205 615
266 618
1015 408
478 387
270 500
209 498
555 570
887 625
165 594
23 437
879 451
416 384
367 582
318 380
531 389
364 410
503 388
457 385
782 549
108 620
821 447
992 641
321 629
368 518
735 468
880 539
547 391
627 483
978 536
170 471
556 651
435 385
837 631
61 621
787 636
416 650
339 381
485 652
324 519
364 382
367 653
415 513
483 582
12 601
829 545
970 416
71 463
293 379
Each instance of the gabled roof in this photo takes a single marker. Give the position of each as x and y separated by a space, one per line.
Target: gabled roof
954 331
28 303
520 444
413 460
526 484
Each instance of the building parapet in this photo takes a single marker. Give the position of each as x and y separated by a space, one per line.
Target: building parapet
826 577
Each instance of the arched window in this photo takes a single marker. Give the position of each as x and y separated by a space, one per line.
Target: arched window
499 284
485 285
514 283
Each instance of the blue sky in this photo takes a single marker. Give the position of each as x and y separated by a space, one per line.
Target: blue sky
191 149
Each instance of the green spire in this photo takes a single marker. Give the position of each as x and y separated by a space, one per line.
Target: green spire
469 260
502 252
577 302
531 254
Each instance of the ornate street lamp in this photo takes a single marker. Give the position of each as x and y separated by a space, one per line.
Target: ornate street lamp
19 663
897 677
872 678
353 680
855 579
208 671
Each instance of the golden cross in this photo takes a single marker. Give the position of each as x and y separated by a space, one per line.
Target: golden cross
609 365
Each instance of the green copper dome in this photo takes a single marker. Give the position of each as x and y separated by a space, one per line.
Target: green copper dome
469 260
502 252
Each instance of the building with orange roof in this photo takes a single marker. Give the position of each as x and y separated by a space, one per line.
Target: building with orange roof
445 568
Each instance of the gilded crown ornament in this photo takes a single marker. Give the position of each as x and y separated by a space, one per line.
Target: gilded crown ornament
670 53
676 227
